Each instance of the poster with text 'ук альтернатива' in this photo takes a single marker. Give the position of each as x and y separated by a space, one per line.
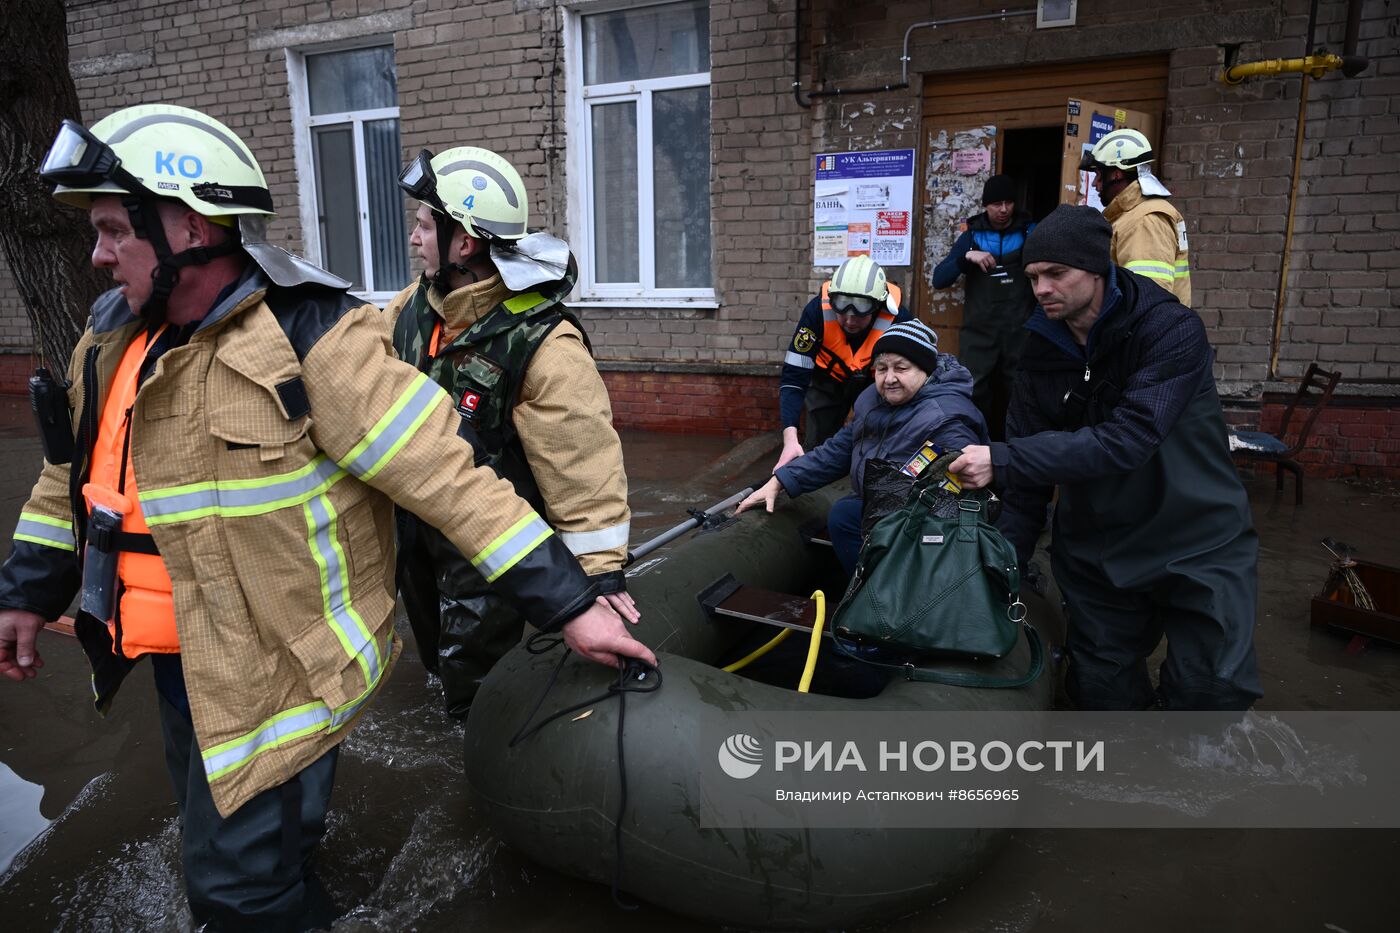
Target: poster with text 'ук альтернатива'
863 205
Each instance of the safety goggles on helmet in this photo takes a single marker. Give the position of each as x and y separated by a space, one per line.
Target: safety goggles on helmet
859 305
419 181
79 159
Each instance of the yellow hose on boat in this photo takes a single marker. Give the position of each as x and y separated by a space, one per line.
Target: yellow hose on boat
805 684
815 644
758 653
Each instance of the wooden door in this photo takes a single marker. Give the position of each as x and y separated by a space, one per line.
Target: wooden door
956 166
956 104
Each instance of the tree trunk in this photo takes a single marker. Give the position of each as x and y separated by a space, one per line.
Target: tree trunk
46 245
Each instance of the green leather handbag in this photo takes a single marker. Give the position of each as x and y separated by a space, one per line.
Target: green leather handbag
928 587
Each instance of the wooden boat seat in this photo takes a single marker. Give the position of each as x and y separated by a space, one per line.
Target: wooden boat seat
728 598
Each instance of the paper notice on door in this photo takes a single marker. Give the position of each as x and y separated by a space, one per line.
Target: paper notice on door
829 246
858 240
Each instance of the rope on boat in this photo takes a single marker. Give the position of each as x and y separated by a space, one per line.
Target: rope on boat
631 678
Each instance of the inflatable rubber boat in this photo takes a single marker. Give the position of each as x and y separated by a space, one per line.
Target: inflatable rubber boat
555 795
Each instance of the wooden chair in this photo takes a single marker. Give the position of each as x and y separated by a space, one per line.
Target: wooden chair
1260 446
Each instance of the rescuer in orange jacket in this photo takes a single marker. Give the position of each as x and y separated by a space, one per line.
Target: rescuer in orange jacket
827 363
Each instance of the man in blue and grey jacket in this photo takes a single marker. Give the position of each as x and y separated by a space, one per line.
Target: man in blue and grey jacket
997 299
1115 404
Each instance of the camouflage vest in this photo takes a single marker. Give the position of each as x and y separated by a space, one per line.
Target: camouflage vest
484 368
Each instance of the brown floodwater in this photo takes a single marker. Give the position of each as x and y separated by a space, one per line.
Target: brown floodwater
89 832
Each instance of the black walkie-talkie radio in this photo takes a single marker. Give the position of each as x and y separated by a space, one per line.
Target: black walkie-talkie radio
49 399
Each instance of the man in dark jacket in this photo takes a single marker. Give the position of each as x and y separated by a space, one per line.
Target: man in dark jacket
1116 405
997 298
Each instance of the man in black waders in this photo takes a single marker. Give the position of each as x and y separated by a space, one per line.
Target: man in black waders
997 298
222 503
1116 405
486 321
827 364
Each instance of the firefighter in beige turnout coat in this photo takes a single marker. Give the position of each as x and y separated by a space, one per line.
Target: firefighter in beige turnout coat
486 321
1149 233
271 434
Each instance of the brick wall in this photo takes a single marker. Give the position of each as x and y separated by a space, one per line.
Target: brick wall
15 333
692 402
1227 154
15 370
1352 438
493 73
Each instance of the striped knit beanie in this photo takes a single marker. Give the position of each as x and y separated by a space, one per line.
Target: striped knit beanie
912 340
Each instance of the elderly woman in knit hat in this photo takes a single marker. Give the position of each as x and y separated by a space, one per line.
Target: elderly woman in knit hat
919 395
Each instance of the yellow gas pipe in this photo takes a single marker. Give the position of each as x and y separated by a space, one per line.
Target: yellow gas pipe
1313 66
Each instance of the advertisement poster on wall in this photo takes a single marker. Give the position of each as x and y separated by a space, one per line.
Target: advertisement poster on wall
863 202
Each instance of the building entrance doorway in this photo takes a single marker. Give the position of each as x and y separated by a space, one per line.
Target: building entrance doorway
1011 121
1031 155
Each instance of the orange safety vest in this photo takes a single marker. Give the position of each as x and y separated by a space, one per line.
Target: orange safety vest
836 354
147 610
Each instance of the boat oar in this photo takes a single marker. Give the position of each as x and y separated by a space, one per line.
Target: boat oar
697 518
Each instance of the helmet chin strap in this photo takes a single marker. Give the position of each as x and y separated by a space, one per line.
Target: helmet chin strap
442 279
1111 189
145 221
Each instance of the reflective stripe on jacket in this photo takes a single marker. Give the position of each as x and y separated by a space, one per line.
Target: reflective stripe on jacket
540 409
1149 238
276 526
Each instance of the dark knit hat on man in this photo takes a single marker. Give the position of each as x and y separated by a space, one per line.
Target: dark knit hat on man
1078 237
998 188
912 340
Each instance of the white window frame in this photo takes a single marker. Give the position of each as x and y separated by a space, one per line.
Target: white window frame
305 152
579 102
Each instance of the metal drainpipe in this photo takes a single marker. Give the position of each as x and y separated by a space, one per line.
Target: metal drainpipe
1312 65
1282 290
903 57
935 23
1353 27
